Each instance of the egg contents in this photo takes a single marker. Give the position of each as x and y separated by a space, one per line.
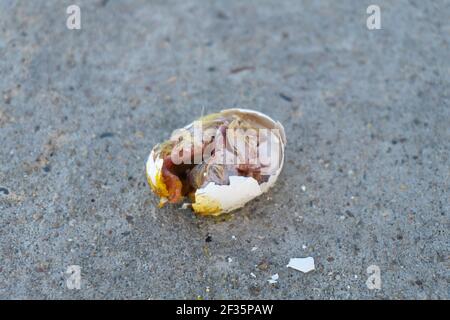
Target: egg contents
219 162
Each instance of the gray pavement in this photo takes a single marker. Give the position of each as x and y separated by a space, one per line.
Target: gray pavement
366 178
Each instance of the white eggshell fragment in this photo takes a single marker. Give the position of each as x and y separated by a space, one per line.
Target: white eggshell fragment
274 278
153 166
302 264
232 196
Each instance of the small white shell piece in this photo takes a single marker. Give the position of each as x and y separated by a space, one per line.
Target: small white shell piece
153 167
302 264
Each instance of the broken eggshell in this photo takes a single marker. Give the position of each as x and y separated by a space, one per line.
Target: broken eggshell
214 197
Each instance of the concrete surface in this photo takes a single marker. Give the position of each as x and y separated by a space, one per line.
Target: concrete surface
367 117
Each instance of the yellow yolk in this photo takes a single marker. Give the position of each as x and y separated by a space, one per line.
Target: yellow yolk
206 206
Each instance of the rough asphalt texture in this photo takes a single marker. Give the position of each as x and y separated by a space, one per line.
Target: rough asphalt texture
366 179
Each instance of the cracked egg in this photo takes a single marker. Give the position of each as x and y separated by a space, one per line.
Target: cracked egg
219 162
